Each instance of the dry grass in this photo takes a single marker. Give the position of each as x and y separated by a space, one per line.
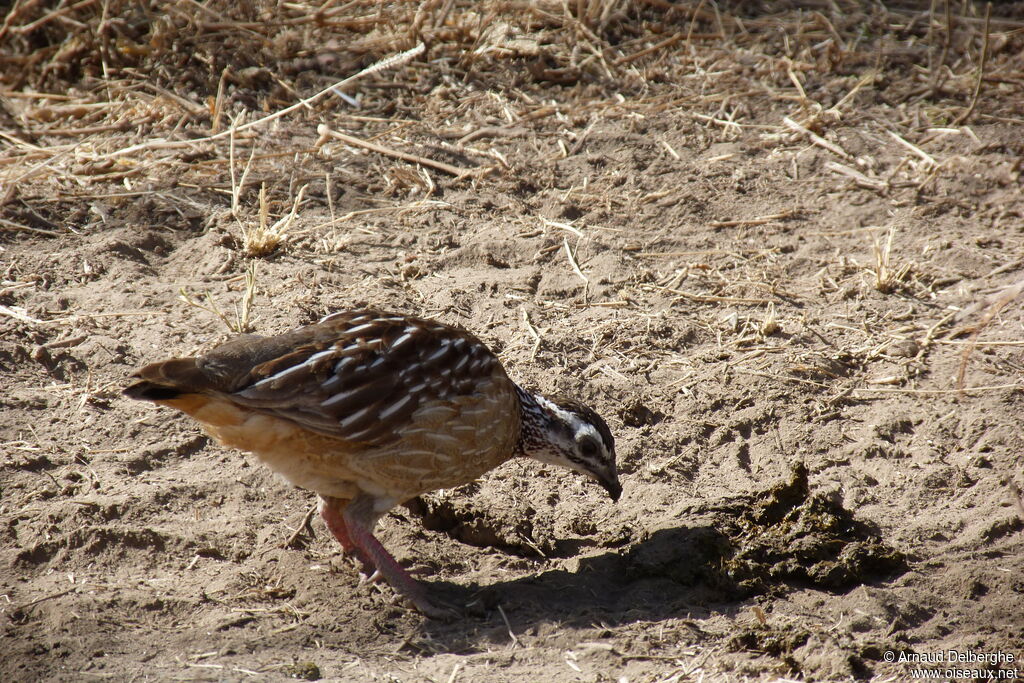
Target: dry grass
144 120
241 322
263 237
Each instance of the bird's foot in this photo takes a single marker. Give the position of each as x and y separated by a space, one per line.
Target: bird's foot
357 519
434 608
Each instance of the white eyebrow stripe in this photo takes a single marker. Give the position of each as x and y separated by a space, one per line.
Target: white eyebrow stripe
564 415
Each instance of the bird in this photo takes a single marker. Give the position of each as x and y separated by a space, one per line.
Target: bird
369 409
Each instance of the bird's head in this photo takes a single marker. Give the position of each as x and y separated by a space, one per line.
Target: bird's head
564 432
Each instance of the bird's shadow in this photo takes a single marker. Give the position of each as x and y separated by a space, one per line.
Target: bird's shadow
674 572
785 536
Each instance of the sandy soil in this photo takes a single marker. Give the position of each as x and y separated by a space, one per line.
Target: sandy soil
772 316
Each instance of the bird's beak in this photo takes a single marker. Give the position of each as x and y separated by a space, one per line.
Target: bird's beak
610 483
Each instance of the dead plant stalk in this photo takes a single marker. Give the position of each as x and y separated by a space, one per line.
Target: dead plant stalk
262 239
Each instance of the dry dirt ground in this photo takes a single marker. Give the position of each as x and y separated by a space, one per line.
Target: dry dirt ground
766 240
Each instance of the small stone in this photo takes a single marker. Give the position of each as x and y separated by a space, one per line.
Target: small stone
904 348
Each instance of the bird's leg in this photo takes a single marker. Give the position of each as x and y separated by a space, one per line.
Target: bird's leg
331 512
360 516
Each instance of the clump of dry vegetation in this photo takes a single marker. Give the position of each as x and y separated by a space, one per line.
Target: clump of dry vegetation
153 85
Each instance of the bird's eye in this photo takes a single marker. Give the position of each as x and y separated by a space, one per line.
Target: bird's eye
588 448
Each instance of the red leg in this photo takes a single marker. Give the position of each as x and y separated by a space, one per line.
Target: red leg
330 511
359 518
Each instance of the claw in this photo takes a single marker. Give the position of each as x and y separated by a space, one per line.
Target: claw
371 579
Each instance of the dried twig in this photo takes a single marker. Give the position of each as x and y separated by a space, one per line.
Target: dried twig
304 525
1004 298
981 70
54 596
927 158
572 260
326 132
857 177
760 220
508 626
668 42
815 138
383 64
532 331
939 392
709 298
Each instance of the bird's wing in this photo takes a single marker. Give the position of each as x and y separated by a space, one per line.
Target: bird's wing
360 376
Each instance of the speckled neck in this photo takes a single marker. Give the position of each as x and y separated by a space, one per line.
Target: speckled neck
534 426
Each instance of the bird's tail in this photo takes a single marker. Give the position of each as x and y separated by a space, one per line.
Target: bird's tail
168 380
